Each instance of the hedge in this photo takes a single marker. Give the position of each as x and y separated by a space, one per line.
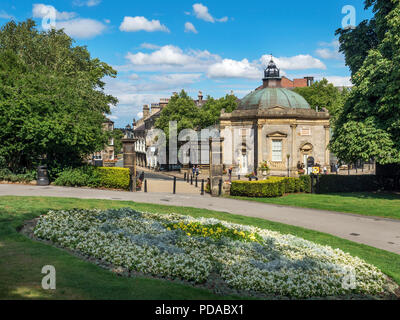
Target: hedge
272 187
94 177
306 183
7 175
258 189
114 178
352 183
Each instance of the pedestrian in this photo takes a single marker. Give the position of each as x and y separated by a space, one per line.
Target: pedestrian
194 170
230 174
325 170
197 171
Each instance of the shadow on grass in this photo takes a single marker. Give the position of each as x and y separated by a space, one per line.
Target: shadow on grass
367 195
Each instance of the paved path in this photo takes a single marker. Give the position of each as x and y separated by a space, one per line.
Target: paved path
376 232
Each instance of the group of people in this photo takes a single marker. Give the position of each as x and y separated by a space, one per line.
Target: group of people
196 171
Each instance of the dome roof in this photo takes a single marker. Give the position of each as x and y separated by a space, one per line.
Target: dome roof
273 97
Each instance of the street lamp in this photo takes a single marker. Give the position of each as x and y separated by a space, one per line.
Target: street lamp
288 164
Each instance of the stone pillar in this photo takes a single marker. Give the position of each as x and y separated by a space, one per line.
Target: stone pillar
216 166
259 147
327 140
130 158
294 153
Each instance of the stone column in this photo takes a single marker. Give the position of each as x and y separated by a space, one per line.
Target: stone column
327 140
294 153
130 158
259 146
216 166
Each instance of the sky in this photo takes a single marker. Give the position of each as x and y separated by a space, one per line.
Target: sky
216 47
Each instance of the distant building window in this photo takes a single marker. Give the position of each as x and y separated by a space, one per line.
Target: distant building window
277 150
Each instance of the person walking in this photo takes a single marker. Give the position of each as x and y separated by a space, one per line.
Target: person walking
230 174
194 170
197 171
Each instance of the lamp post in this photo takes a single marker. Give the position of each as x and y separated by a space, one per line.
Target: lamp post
288 164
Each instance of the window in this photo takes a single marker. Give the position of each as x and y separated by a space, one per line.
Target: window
276 150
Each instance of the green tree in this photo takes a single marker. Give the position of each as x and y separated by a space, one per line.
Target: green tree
211 110
52 103
369 125
182 109
118 135
356 43
321 94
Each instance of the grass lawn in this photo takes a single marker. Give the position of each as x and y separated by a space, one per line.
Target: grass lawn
22 259
383 205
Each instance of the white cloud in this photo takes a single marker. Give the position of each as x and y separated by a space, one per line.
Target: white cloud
332 52
189 27
201 12
134 76
224 19
150 46
140 115
338 81
88 3
75 27
5 15
40 10
82 28
177 79
172 58
228 68
134 24
299 62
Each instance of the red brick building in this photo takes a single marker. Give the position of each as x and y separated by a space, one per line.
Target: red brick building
295 83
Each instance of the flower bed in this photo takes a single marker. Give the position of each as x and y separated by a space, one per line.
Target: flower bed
181 247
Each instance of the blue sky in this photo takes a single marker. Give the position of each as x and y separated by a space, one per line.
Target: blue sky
159 47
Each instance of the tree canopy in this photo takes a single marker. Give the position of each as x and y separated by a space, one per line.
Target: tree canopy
52 103
182 109
322 94
369 125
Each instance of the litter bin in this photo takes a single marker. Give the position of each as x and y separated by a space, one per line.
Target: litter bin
42 176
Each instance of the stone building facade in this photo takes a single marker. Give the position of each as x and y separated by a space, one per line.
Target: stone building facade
108 153
275 125
147 155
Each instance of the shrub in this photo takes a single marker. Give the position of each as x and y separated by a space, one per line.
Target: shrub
292 185
305 183
78 177
7 175
115 178
260 189
339 183
89 176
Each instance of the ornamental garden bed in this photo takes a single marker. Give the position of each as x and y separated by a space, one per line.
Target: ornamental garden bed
222 256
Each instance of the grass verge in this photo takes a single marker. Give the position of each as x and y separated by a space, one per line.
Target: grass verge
22 259
385 205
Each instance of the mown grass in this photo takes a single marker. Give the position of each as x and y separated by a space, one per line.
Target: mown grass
22 259
385 205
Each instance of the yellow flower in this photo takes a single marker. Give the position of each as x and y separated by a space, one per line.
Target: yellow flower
188 234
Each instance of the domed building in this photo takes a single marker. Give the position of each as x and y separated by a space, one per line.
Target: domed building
277 126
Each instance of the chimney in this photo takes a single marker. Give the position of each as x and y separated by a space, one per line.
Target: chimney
200 97
146 111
